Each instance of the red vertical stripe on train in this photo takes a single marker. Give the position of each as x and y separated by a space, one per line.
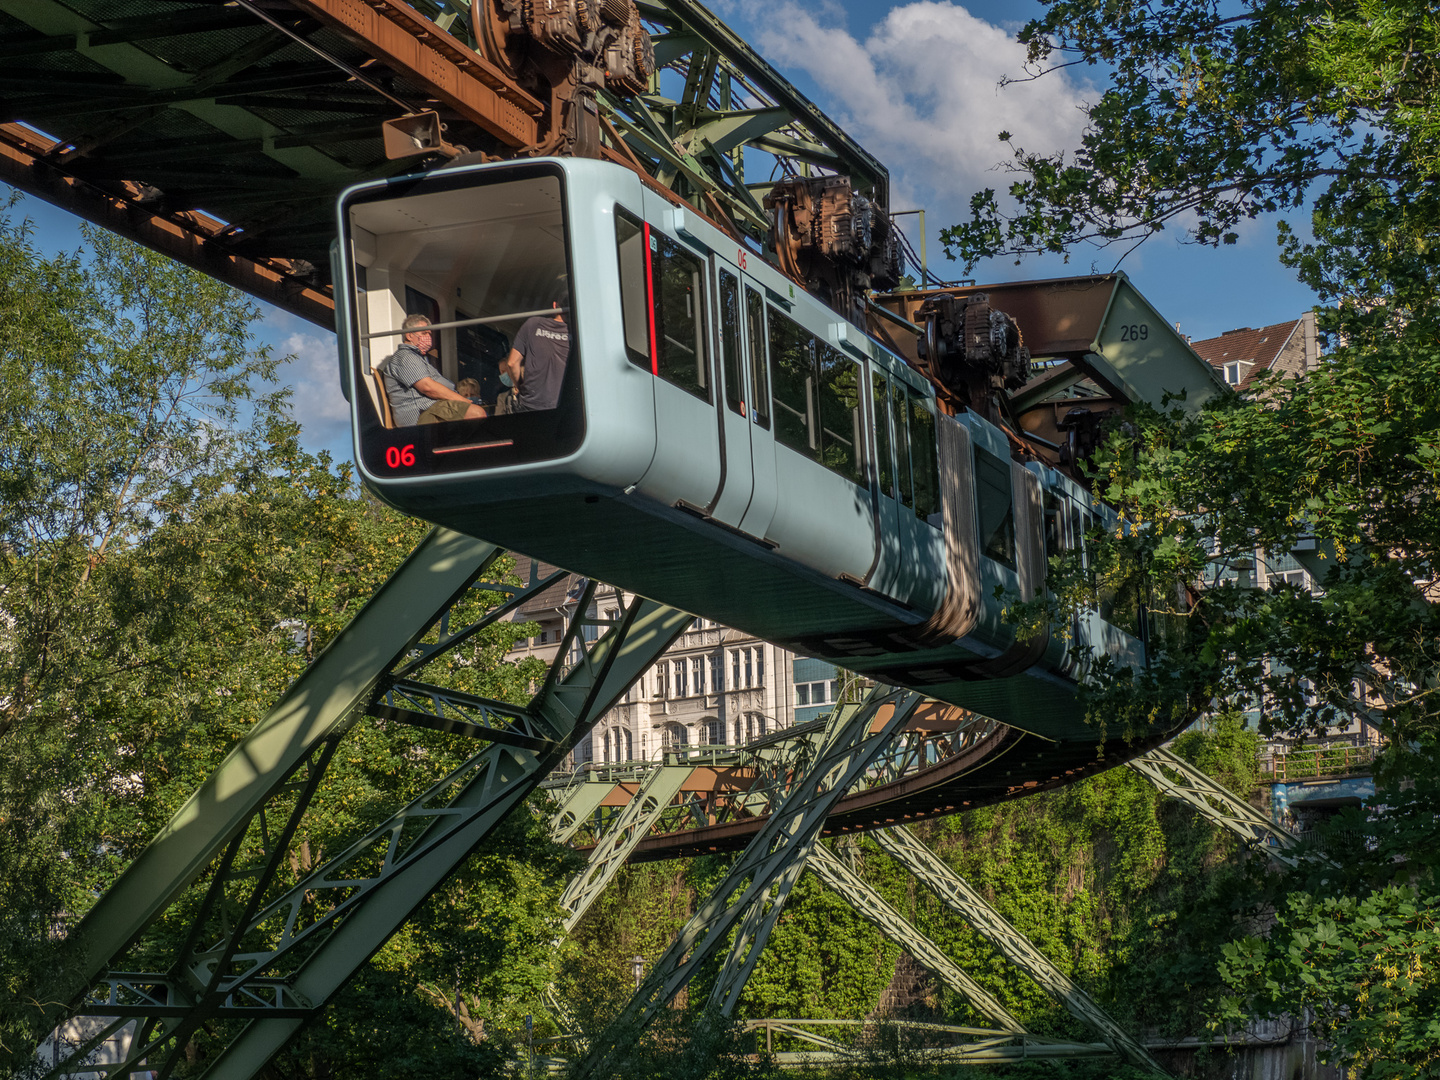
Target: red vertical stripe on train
650 305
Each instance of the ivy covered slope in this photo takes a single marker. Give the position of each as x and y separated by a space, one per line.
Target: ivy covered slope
1128 893
1216 114
170 560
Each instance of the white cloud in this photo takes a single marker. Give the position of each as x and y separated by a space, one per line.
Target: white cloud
314 375
922 92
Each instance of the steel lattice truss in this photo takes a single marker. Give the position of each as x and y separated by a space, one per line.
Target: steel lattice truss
267 945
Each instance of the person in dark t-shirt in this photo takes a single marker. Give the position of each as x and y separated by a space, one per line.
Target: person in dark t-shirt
536 363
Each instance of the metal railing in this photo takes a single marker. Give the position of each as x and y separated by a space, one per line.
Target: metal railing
1322 761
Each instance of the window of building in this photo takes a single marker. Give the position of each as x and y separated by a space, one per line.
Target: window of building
681 684
760 667
735 669
697 674
714 732
717 674
673 736
815 693
749 667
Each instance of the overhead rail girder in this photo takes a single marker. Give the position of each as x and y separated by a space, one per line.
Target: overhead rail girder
1176 777
853 739
277 106
272 955
957 894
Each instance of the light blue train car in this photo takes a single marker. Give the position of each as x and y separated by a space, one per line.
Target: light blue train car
723 442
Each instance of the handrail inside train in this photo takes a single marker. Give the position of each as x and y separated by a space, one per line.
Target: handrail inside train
455 323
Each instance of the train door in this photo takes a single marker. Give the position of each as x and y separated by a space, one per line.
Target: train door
686 466
734 397
764 493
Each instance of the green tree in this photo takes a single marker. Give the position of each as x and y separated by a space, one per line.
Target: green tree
1215 115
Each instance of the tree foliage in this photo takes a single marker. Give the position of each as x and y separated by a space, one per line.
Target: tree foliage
1214 115
170 561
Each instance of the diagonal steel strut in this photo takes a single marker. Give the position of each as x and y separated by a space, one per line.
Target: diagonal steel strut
304 943
609 854
874 908
903 846
1176 777
854 737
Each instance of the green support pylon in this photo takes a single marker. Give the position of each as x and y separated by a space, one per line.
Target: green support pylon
660 786
1176 777
314 935
877 911
902 845
854 737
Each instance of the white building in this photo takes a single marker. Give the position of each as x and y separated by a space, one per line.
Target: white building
714 686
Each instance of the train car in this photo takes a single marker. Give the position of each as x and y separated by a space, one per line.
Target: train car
721 441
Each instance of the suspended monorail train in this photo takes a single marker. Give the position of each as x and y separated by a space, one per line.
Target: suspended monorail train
723 442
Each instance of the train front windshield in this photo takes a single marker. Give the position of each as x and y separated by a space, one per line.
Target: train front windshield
461 324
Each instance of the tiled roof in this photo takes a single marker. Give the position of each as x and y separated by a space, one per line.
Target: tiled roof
1247 345
547 600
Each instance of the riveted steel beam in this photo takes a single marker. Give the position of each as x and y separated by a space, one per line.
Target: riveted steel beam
957 894
301 942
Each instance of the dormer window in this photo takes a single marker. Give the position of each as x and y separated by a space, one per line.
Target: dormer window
1236 370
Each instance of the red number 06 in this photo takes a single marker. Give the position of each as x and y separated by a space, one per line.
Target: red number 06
741 253
396 456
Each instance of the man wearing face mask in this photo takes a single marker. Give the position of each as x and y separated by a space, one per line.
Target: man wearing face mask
536 364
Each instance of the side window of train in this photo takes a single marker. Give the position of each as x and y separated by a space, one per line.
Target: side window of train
630 244
730 341
1054 525
842 437
817 398
791 378
994 507
924 458
678 281
880 398
898 414
759 383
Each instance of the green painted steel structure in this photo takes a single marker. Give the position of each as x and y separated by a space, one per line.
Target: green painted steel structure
318 931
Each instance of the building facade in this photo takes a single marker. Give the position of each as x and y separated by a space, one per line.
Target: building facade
716 686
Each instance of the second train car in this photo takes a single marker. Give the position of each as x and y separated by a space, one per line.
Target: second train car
722 442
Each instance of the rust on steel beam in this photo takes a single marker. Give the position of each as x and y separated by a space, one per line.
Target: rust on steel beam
403 39
186 237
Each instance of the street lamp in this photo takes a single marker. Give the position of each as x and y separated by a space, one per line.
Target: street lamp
637 967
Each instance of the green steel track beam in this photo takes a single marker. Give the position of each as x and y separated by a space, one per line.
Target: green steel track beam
1176 777
984 1048
876 910
609 854
855 736
576 805
902 845
271 953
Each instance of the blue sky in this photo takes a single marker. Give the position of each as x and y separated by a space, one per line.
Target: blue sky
916 84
